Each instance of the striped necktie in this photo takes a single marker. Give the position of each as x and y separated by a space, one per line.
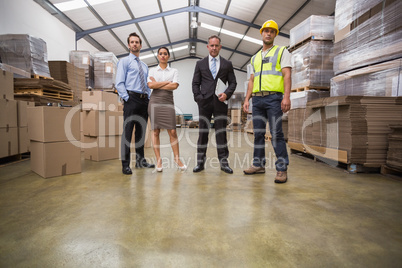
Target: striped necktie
213 67
141 74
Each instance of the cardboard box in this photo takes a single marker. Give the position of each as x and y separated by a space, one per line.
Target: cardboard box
22 113
102 148
6 85
8 113
54 159
53 124
23 140
8 141
102 123
99 100
235 116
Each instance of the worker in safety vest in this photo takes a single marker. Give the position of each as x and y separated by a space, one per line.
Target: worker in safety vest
269 86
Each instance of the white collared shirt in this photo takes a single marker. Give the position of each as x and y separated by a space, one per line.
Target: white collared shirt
160 75
218 62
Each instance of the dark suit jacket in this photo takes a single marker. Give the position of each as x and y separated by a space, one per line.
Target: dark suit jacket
204 83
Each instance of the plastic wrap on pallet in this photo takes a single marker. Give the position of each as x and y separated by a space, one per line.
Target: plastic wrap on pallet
347 11
235 102
384 79
312 64
374 40
300 99
105 64
25 52
314 27
83 59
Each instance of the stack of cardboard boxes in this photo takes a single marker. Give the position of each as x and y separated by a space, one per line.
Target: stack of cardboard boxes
102 125
55 140
13 122
8 118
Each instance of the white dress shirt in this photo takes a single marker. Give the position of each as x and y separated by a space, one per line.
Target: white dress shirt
167 74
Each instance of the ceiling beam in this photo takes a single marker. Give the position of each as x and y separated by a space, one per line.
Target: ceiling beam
294 14
195 9
99 18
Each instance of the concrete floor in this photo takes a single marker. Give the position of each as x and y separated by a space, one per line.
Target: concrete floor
323 217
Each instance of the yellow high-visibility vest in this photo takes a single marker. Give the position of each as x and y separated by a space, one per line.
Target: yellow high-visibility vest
267 71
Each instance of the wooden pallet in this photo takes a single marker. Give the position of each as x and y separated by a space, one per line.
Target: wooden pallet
50 93
37 76
317 151
338 158
387 170
14 158
309 88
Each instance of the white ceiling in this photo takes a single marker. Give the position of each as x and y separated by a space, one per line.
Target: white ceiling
167 22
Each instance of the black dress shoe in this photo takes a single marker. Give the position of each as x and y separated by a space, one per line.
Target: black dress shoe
198 168
227 169
127 170
144 165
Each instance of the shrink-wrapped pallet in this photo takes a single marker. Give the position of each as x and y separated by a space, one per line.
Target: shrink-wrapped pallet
105 65
312 65
314 27
25 52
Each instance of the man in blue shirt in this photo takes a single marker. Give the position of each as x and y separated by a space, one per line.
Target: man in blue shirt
131 77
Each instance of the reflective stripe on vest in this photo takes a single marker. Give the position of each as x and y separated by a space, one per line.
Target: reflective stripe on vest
270 78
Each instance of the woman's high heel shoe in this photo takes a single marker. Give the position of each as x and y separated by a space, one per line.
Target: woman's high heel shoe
182 168
159 169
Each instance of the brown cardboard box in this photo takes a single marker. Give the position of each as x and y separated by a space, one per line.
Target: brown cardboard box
236 116
101 148
8 141
99 100
102 123
23 140
53 159
6 85
52 124
22 116
8 113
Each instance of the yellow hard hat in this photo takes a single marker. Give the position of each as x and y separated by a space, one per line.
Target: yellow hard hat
270 24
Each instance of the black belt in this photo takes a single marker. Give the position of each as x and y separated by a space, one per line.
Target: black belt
139 95
264 93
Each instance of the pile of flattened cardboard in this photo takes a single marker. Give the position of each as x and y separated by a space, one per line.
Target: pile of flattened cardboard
358 125
71 75
394 156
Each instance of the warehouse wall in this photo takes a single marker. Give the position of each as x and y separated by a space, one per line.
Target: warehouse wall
183 96
27 17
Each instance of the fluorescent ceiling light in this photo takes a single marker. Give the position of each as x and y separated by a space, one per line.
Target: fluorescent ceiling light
171 50
76 4
230 33
70 5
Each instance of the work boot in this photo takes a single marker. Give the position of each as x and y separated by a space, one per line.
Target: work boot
254 170
281 177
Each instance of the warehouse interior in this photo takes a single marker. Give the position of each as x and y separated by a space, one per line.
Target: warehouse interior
64 201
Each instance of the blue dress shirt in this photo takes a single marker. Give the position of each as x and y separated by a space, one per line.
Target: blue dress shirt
127 76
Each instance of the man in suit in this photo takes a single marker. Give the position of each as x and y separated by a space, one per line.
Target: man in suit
206 74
